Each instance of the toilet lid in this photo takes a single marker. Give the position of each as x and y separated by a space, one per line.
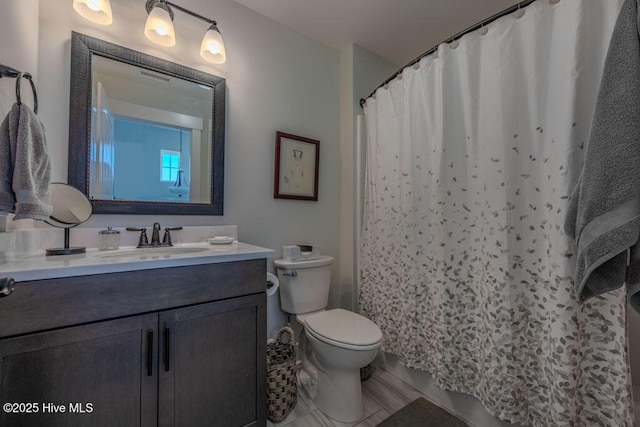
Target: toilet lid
344 327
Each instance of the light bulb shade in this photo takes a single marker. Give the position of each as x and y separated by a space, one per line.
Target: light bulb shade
96 11
159 28
212 48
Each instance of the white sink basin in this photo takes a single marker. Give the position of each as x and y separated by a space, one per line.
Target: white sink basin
163 252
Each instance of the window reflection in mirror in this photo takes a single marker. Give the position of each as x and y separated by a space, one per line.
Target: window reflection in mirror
149 135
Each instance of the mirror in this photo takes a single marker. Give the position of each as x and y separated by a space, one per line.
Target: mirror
69 208
146 136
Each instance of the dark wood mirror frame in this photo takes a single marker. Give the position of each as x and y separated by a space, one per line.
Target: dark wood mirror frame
82 47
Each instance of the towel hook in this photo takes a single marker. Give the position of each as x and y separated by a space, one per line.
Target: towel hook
33 89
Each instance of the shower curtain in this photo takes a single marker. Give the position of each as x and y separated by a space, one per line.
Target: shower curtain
464 263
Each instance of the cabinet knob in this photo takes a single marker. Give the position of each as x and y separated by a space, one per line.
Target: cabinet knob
7 285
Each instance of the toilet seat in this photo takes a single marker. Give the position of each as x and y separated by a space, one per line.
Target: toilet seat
343 345
345 329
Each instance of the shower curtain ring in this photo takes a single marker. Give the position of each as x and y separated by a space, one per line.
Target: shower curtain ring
519 13
453 43
483 30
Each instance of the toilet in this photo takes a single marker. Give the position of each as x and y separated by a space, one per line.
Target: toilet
334 344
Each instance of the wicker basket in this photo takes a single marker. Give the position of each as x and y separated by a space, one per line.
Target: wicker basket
365 372
282 388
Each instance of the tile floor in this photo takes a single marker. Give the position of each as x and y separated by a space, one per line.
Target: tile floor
383 395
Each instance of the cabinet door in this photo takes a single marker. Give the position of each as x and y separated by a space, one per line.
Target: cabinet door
102 374
213 364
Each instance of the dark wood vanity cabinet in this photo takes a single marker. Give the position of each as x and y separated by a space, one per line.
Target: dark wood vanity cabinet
208 372
97 368
182 346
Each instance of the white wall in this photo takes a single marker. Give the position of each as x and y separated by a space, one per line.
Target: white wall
18 48
276 80
361 72
369 70
347 189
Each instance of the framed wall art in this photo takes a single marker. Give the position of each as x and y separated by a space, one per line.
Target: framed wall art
296 169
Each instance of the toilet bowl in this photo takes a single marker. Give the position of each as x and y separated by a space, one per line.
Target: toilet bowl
342 342
334 344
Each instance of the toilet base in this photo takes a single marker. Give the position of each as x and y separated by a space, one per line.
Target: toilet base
339 395
336 372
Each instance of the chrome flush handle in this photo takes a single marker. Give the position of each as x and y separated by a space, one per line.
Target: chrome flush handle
293 273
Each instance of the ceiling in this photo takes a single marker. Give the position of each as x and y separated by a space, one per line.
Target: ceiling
396 30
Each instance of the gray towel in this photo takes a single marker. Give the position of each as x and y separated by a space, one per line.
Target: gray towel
25 169
604 213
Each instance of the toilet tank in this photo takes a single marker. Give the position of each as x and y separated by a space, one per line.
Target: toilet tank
304 285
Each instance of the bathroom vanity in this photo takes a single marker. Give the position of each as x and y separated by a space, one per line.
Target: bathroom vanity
159 341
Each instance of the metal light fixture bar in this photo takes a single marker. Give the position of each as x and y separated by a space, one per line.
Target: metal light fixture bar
151 3
212 48
188 12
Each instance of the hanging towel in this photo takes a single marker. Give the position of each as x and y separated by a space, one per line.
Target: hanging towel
25 169
604 212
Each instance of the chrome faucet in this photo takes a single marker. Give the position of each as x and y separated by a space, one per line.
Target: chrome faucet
143 242
155 236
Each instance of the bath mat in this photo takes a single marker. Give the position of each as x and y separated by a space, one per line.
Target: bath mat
422 413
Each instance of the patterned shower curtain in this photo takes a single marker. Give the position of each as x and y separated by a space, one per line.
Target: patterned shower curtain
464 262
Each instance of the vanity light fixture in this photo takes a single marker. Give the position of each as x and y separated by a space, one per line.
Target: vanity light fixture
159 29
159 25
212 47
96 11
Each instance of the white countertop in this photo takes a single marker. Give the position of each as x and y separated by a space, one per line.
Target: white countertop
39 266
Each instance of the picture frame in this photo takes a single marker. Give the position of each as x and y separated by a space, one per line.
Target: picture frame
296 167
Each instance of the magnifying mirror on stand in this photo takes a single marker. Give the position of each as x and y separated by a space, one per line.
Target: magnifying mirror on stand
70 208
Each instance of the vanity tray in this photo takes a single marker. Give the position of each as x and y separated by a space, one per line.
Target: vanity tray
221 240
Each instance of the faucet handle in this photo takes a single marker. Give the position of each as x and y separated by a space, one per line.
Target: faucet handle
143 241
166 240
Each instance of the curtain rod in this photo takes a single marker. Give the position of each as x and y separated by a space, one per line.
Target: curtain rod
467 30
